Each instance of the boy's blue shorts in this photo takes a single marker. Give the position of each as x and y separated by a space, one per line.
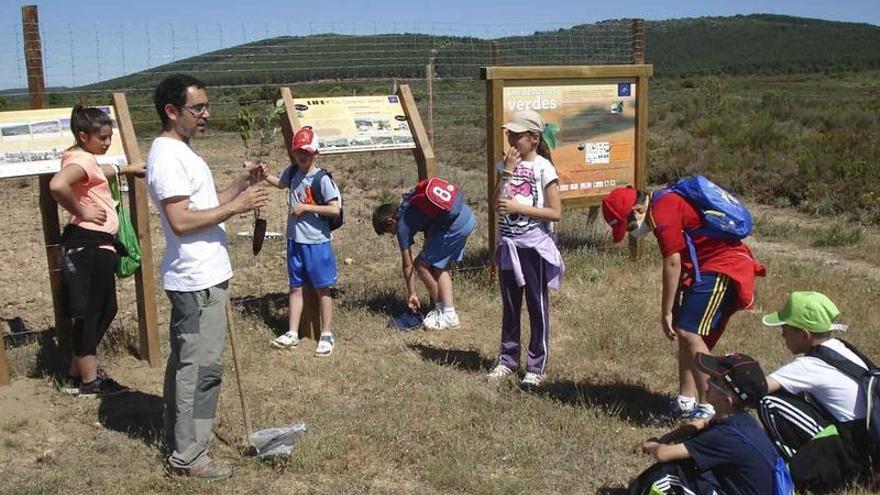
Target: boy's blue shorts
705 304
312 264
446 246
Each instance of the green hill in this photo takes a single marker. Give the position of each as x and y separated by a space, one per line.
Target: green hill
760 44
757 43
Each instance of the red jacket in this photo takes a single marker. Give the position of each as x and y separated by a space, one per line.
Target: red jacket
671 215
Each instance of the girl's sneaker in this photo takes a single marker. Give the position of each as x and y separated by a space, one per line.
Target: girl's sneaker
287 340
531 380
69 385
498 372
100 388
325 346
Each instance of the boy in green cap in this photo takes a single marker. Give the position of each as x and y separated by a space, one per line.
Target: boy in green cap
814 413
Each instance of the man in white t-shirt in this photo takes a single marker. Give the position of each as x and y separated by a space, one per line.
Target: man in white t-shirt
195 269
809 399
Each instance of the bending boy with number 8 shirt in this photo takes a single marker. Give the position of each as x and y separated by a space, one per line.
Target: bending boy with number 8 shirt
436 207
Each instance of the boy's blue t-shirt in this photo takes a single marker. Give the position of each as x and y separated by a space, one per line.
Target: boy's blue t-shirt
411 220
737 466
309 228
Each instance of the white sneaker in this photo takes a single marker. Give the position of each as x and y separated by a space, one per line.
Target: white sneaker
325 346
430 320
445 321
287 340
531 380
498 372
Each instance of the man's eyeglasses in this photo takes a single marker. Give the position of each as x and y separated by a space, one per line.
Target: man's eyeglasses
198 109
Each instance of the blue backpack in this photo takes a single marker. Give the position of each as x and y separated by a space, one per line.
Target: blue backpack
723 215
782 483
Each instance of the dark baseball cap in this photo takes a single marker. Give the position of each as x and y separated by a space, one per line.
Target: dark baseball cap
741 373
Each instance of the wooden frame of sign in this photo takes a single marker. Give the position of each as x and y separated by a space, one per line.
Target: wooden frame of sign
496 77
145 276
310 321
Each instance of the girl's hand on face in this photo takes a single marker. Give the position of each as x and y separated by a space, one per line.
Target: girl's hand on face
93 213
507 206
511 159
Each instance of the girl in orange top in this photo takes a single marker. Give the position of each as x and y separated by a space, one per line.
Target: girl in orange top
88 253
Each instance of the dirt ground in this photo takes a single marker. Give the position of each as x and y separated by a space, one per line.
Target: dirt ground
389 412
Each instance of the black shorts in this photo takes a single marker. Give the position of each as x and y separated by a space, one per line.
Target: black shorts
88 290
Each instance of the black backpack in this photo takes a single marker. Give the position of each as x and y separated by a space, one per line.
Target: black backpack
868 380
318 196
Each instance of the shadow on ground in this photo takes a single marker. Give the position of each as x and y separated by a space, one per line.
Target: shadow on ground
51 360
134 413
270 308
467 360
383 301
632 403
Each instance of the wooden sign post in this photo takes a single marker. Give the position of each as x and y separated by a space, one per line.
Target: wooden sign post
145 281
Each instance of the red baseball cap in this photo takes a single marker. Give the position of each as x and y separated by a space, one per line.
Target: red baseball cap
616 207
305 139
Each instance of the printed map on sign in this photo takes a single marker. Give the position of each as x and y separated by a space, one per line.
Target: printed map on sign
32 141
356 123
593 126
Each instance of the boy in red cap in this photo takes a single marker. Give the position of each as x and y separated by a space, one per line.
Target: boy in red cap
728 454
437 208
310 258
693 311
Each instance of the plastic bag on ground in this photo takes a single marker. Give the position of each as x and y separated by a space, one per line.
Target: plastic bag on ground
276 441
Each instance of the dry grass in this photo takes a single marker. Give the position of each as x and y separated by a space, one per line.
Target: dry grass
398 413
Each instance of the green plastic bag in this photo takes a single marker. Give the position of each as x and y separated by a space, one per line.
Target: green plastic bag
125 265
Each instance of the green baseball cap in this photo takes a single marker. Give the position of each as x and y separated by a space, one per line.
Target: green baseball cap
807 310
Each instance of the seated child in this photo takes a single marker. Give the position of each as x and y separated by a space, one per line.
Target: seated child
727 454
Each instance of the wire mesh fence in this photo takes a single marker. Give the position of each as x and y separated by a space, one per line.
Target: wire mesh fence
244 66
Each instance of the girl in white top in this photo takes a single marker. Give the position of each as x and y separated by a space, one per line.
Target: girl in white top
527 199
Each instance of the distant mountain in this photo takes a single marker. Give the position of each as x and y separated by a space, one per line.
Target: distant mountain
760 43
757 43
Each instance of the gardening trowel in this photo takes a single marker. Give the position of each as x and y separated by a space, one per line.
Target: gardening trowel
259 232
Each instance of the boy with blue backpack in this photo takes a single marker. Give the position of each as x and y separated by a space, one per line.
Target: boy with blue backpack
315 210
729 454
819 411
708 272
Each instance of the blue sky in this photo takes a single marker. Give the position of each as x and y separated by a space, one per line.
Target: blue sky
86 41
